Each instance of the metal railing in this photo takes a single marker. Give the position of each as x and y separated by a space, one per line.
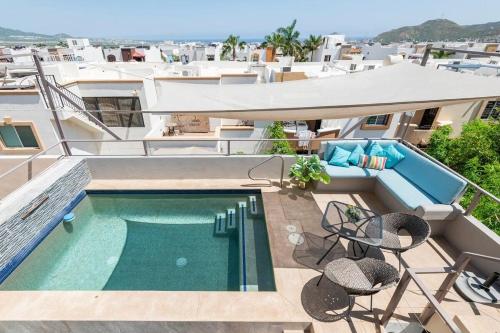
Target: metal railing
56 96
147 144
264 162
29 164
58 99
434 305
429 48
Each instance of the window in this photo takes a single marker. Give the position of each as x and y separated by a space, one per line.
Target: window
75 43
18 135
491 111
106 106
428 118
353 67
377 122
328 58
371 67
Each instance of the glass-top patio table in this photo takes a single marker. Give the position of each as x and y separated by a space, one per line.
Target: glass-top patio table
353 223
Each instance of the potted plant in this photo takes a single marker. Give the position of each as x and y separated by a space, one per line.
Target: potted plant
353 213
306 170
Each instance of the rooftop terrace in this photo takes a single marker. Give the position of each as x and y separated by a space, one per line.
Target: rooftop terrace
291 214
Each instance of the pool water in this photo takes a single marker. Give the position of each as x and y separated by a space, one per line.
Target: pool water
153 241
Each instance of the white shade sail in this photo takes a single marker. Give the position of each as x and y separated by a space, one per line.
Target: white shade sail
390 89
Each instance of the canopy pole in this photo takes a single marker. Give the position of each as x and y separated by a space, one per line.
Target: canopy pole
359 123
426 55
50 102
407 120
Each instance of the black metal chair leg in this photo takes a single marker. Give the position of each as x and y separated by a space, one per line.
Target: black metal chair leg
321 278
371 303
329 250
399 259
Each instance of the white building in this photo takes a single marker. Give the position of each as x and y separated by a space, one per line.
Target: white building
139 86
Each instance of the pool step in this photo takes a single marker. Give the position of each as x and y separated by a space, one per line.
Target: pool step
234 217
242 211
220 225
252 202
231 218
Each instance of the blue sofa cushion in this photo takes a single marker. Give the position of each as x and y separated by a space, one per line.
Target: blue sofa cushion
436 181
340 157
404 190
375 150
393 156
354 157
328 147
344 144
350 172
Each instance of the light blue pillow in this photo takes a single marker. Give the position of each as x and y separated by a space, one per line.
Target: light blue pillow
393 156
340 157
354 157
375 150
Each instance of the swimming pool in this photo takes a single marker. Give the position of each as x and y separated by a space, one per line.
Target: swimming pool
155 240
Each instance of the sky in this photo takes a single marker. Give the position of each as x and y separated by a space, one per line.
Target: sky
205 19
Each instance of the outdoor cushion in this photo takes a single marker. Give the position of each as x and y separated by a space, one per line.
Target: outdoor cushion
344 144
350 172
372 162
354 157
340 157
404 190
328 147
415 180
435 180
375 150
393 156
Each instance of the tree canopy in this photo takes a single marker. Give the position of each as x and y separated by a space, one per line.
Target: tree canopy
475 154
231 45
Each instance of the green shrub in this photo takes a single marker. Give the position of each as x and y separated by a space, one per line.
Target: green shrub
309 169
276 131
475 154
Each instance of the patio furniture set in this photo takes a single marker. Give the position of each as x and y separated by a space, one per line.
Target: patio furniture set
360 275
414 185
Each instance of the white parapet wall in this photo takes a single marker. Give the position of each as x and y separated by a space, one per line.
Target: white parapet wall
186 167
467 234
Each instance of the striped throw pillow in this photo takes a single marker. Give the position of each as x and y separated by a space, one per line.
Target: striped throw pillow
372 162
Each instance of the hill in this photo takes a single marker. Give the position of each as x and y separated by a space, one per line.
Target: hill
442 30
12 34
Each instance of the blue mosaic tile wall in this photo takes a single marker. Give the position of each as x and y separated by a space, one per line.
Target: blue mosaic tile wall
19 237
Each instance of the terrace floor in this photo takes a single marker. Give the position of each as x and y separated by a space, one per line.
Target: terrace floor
289 211
304 210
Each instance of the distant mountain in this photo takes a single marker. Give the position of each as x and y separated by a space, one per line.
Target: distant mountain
12 34
441 30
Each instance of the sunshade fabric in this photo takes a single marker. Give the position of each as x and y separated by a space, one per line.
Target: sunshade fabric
390 89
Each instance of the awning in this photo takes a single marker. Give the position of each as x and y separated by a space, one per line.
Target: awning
390 89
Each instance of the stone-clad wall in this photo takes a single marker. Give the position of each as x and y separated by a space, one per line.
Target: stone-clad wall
62 183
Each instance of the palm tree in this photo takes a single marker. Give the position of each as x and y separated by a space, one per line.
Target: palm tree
275 41
231 45
312 43
291 43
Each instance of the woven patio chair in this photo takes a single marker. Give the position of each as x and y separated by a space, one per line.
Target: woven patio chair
361 277
415 227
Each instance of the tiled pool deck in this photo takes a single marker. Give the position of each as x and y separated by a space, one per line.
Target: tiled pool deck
288 211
